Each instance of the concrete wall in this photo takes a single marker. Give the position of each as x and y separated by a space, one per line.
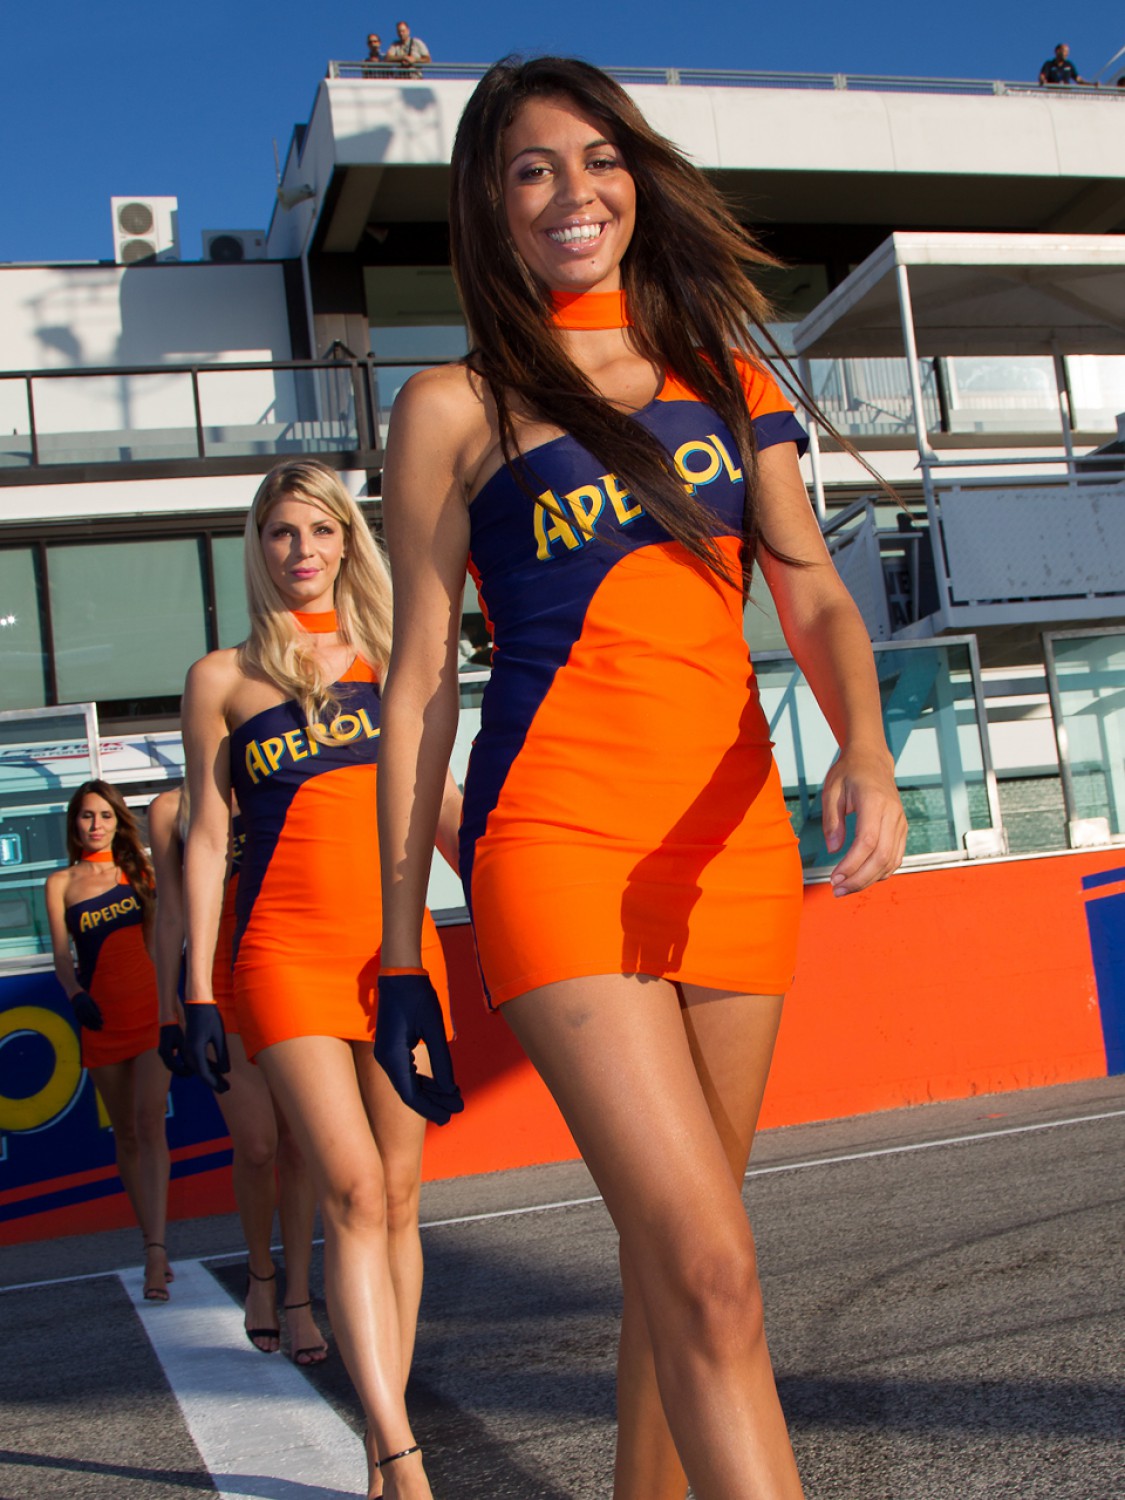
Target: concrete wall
83 316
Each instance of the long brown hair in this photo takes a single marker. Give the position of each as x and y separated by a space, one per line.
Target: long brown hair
128 851
690 299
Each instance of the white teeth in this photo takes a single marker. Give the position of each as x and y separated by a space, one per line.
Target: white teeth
575 233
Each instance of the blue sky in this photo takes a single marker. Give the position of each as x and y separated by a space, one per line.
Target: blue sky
137 98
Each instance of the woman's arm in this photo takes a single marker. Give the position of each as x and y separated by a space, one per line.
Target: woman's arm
427 530
448 840
167 859
60 937
829 641
207 752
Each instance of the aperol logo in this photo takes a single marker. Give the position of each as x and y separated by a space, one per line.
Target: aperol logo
264 757
573 518
127 906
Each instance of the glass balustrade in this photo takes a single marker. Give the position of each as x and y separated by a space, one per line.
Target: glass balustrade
1086 682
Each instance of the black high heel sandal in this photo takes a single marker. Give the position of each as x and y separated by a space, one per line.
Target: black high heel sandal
262 1333
381 1463
156 1293
311 1349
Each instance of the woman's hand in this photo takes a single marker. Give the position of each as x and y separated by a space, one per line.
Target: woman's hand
861 781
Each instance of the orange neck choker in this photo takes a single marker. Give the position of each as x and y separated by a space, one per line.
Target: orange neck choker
320 622
589 311
99 857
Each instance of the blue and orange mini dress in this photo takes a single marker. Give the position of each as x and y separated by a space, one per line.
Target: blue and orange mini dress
115 969
622 811
222 974
308 923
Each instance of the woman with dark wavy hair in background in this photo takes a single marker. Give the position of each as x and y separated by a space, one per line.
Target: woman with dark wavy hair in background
103 904
612 460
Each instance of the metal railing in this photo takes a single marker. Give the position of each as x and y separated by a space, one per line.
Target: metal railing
192 412
746 78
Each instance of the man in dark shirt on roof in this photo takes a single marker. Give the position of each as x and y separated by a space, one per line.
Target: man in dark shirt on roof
1060 69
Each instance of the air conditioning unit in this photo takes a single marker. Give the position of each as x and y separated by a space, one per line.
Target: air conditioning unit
145 229
229 246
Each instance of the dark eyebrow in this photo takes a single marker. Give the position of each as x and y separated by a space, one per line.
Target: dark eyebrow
547 151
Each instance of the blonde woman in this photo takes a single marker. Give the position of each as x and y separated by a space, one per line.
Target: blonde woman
289 723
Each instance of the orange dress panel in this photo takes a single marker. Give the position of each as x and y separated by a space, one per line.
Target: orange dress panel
309 906
115 969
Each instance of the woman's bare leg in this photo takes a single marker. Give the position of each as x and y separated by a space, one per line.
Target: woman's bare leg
297 1210
399 1133
135 1095
614 1052
314 1081
248 1111
731 1039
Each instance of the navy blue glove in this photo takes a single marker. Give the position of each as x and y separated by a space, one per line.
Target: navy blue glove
87 1011
205 1030
409 1012
173 1049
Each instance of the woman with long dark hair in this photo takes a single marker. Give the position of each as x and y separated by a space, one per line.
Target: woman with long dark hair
612 460
100 910
289 723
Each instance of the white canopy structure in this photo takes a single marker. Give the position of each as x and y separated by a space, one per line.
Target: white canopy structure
1005 550
976 294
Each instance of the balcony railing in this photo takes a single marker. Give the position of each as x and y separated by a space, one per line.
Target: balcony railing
186 413
746 78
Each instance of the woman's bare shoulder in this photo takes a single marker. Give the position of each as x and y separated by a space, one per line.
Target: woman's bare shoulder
447 402
215 671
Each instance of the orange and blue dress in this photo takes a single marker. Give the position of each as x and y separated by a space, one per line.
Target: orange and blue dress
222 973
622 811
115 970
308 907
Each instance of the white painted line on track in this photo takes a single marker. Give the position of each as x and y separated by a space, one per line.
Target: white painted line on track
261 1429
975 1138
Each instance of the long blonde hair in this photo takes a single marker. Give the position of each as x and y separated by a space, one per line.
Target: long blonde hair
276 647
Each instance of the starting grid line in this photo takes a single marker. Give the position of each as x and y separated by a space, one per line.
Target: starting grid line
944 1142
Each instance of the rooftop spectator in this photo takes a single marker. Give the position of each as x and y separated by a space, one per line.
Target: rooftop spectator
408 53
1060 69
374 64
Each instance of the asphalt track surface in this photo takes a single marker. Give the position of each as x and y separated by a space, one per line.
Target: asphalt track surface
945 1296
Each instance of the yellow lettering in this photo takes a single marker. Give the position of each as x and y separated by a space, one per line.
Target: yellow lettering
618 499
694 477
369 729
314 734
255 765
272 749
551 527
293 740
734 474
586 503
345 728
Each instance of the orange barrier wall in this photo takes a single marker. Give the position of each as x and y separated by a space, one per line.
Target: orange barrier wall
937 984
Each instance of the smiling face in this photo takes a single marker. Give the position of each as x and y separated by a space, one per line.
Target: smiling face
568 196
303 547
95 824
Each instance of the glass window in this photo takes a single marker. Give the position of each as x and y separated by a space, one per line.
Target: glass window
415 318
1097 386
1002 394
230 590
1086 673
23 682
128 617
44 756
934 732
